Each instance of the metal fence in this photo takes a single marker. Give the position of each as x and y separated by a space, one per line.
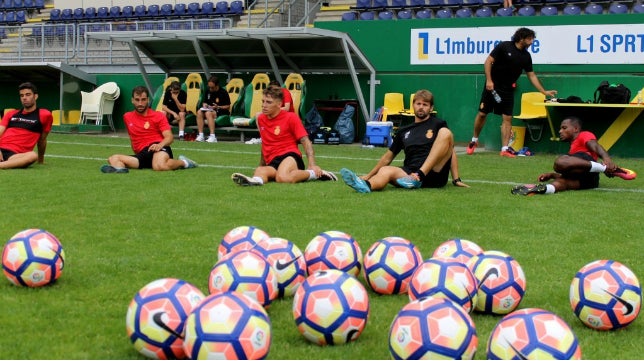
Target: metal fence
68 43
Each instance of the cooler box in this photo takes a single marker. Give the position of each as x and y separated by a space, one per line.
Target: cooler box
379 133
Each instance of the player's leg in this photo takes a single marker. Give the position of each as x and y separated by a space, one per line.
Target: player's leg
210 116
19 160
290 170
200 116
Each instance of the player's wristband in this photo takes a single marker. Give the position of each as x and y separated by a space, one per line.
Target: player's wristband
456 180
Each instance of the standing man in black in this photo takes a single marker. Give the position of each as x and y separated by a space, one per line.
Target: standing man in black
502 68
216 102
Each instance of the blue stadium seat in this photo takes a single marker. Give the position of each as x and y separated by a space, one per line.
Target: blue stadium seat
166 11
548 10
444 13
638 8
102 13
424 14
40 4
367 15
471 3
221 7
571 10
29 4
504 12
454 3
128 12
436 3
593 9
7 4
617 8
21 17
417 3
18 4
10 17
526 10
463 13
483 12
79 14
492 3
54 15
90 13
2 18
180 9
193 9
398 4
349 16
153 11
67 15
380 4
237 7
363 4
115 12
404 14
207 8
385 15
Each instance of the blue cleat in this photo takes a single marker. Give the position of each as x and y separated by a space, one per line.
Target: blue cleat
353 181
191 163
110 169
409 182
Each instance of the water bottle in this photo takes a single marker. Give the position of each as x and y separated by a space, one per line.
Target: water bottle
496 96
639 97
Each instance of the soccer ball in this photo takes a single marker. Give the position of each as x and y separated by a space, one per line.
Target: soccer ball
33 258
532 334
333 250
156 317
331 308
501 282
444 277
239 239
460 249
287 261
228 325
432 328
389 264
605 295
247 272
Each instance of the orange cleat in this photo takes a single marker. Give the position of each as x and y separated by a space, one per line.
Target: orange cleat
471 147
507 153
625 174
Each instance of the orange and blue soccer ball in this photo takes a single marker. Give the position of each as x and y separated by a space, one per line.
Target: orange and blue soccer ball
333 250
389 264
331 308
239 239
287 261
432 328
33 258
460 249
247 272
444 277
606 295
156 317
501 282
228 326
532 334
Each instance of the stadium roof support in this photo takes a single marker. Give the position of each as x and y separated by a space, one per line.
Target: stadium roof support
280 50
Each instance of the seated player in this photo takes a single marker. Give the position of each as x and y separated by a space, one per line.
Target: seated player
579 168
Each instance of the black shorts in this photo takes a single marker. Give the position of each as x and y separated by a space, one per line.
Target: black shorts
489 105
275 163
145 156
433 179
588 180
6 153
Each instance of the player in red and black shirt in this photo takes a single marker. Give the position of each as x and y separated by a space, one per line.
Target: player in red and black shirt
579 168
21 130
150 135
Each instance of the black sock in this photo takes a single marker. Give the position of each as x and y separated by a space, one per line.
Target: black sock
368 184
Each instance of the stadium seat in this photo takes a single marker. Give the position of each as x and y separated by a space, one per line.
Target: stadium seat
115 12
532 112
54 15
67 15
140 11
398 4
380 4
166 10
194 89
444 13
463 13
29 4
385 15
349 16
526 10
21 17
39 4
193 9
103 13
471 3
207 8
638 8
252 100
571 10
548 10
235 89
394 103
79 14
483 12
436 3
367 15
128 12
417 3
90 13
504 12
593 9
237 7
454 3
363 4
221 7
295 85
404 14
617 8
492 3
424 14
180 9
154 11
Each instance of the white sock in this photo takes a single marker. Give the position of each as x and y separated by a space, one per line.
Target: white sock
597 167
201 135
550 189
180 132
185 163
475 139
258 179
504 148
312 174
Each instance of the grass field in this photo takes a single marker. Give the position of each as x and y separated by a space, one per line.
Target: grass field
121 231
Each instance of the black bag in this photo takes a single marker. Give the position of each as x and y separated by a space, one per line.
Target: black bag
607 93
313 121
344 125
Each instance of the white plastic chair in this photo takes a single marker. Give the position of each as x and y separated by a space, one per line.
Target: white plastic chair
99 103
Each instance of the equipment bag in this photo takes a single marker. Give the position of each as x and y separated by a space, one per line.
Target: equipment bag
313 121
344 125
607 93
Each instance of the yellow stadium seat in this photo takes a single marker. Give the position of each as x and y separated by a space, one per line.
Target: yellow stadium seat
234 89
73 117
394 105
160 92
252 100
58 117
531 111
295 84
194 90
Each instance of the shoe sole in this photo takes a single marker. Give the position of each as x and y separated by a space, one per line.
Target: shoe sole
350 179
627 175
242 180
328 176
507 155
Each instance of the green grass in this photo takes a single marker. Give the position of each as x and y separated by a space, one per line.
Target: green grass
121 231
